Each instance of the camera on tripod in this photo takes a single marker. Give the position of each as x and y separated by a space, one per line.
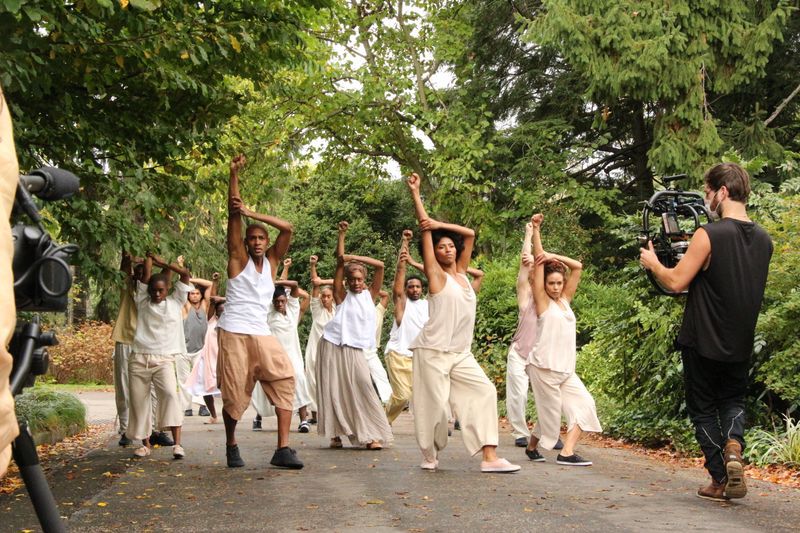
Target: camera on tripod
42 276
670 219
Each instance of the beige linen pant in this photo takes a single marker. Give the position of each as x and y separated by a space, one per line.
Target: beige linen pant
9 177
442 379
517 394
399 368
122 395
145 370
556 393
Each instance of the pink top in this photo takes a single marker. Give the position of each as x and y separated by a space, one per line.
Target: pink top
525 337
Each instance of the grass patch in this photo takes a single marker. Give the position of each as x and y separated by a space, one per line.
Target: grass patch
779 447
48 410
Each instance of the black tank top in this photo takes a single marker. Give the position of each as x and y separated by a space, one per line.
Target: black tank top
719 321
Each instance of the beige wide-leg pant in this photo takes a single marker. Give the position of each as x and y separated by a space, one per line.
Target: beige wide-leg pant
9 177
442 379
399 368
517 394
158 370
183 367
556 393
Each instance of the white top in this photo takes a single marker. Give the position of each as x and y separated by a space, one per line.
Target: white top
451 319
159 326
415 316
354 322
319 318
248 299
284 327
555 348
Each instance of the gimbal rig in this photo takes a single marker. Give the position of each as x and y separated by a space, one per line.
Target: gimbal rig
42 279
677 215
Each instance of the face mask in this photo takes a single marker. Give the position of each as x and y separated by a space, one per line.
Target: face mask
716 212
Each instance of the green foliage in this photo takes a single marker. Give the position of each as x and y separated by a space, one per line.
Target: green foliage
778 360
46 409
775 447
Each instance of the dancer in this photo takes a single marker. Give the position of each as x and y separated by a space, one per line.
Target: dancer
410 315
203 379
347 403
556 387
156 345
248 353
445 371
725 270
283 318
322 311
195 325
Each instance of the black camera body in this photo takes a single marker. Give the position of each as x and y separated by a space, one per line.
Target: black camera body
669 220
42 276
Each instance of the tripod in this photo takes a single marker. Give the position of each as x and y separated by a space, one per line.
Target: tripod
28 347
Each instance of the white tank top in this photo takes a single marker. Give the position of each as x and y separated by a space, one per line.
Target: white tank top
354 322
555 348
451 319
415 316
248 298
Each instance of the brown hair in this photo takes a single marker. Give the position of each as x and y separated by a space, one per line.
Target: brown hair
733 177
554 266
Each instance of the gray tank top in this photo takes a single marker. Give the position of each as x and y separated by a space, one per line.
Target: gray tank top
194 329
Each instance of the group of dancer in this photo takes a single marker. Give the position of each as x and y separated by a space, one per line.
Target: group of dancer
246 347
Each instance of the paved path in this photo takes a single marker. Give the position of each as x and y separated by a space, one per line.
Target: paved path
357 490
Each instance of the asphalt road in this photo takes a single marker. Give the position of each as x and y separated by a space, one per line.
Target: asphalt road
358 490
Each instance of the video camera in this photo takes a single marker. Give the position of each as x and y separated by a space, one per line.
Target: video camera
669 219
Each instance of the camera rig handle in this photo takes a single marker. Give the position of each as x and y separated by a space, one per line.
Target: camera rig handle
680 213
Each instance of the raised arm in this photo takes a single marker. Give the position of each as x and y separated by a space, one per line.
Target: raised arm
434 273
237 253
305 301
523 285
212 294
286 264
575 270
467 233
201 282
540 297
175 266
399 285
338 278
126 264
477 278
148 269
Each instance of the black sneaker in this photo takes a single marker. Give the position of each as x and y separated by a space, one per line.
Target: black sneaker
535 456
312 421
203 411
257 425
188 412
124 440
161 438
286 458
457 426
521 442
233 457
305 427
572 460
559 445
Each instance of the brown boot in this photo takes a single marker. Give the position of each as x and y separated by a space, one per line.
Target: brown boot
714 491
734 465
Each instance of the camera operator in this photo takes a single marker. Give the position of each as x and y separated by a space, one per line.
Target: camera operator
725 269
9 177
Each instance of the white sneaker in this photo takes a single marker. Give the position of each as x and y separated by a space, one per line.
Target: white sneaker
177 452
498 466
425 465
142 451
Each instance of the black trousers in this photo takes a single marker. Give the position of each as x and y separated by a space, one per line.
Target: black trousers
715 400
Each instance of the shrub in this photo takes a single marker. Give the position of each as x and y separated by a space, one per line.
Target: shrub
83 355
49 410
778 447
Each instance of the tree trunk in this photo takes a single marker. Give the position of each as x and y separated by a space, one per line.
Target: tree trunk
642 136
